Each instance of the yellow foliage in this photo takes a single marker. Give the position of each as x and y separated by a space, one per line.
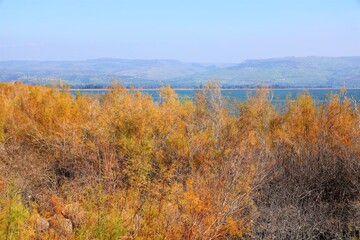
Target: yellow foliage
141 169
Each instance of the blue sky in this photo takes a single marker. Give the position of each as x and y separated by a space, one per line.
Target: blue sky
209 31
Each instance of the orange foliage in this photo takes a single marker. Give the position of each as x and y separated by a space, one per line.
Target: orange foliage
205 168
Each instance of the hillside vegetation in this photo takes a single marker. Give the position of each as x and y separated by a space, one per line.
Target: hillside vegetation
121 166
288 72
280 72
99 72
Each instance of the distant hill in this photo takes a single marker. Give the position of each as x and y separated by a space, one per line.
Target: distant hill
147 73
282 72
291 72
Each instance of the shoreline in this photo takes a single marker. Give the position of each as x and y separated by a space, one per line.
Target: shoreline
201 89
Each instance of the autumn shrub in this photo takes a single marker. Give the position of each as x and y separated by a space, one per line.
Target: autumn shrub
202 168
15 219
313 188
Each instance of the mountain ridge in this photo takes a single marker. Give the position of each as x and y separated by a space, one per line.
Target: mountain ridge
312 71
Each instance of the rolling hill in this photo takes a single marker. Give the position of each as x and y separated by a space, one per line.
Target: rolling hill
281 72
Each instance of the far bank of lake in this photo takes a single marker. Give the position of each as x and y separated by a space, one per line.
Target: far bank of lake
278 95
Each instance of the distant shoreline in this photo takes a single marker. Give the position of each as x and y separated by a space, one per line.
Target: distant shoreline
194 89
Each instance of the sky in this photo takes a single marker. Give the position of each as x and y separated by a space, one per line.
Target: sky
207 31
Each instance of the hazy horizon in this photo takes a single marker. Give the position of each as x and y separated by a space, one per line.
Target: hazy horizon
169 59
200 32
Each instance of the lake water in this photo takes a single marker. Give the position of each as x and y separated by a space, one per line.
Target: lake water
279 95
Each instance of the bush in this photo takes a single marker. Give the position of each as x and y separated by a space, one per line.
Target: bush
205 168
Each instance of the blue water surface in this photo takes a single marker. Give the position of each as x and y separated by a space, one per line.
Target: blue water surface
278 95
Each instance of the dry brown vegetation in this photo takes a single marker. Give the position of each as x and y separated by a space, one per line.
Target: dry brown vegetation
121 166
